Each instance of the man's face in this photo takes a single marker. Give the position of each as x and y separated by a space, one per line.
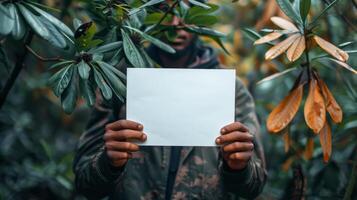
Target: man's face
184 38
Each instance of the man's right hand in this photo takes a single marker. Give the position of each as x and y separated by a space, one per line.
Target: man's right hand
118 136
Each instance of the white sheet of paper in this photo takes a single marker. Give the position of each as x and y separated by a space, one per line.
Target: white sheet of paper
181 107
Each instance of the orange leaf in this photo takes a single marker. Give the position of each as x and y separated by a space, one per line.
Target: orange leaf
270 37
331 49
296 49
280 47
284 24
309 148
282 114
332 106
325 140
315 110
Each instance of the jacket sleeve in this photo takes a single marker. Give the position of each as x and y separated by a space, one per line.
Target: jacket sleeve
249 182
95 178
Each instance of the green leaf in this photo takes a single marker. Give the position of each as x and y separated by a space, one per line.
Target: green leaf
154 41
304 9
154 18
34 22
323 12
83 69
60 25
4 11
108 47
87 91
131 52
276 75
115 83
251 34
6 23
220 43
203 20
69 95
199 4
19 29
84 35
184 8
56 37
197 11
113 69
204 31
76 23
149 3
102 84
61 63
287 8
60 80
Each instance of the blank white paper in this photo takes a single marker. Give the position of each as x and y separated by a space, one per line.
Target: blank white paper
181 107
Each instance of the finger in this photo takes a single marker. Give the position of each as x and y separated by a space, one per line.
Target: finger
124 135
240 156
235 136
236 126
238 147
121 146
117 155
124 124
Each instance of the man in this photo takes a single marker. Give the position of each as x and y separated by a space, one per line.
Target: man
107 163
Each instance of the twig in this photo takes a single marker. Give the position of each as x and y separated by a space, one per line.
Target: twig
166 13
15 72
42 58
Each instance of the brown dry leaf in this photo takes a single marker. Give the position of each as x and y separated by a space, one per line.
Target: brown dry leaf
267 38
331 49
280 47
296 49
325 140
315 110
332 106
283 113
287 141
309 150
284 24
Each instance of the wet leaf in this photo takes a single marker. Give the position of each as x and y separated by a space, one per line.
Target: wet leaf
284 24
19 29
60 80
332 106
268 38
325 140
296 49
102 84
283 113
331 49
278 49
131 51
315 110
83 70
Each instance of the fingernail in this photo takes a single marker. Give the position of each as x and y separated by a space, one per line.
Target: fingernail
140 127
223 130
218 140
144 137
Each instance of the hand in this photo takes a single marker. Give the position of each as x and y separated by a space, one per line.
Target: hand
237 145
118 136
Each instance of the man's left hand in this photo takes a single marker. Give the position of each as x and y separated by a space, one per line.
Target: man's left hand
236 145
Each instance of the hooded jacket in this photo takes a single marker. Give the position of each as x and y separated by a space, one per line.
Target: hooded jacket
201 172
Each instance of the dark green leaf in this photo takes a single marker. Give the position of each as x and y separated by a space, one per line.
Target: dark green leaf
34 22
184 8
60 80
60 25
203 20
4 11
197 11
304 9
220 43
287 8
154 41
251 34
69 95
115 83
197 3
76 23
19 29
113 69
102 84
204 31
131 51
56 37
276 75
149 3
106 48
98 57
87 91
6 23
154 18
323 12
61 63
83 69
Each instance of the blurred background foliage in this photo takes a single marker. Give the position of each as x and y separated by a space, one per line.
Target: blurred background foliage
38 140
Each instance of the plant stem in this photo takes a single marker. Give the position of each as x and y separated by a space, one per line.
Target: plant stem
16 71
42 58
165 15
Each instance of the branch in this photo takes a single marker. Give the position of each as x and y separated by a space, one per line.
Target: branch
166 13
16 71
42 58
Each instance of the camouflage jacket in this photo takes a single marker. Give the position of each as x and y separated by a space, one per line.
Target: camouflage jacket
201 173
